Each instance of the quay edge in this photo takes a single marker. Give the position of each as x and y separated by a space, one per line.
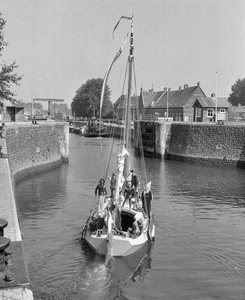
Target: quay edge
200 143
25 149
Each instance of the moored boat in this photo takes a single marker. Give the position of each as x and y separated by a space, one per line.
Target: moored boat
95 128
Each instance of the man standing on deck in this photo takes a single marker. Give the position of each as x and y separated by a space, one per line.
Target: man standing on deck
134 181
101 191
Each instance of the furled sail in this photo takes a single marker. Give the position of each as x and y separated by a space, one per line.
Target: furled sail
107 75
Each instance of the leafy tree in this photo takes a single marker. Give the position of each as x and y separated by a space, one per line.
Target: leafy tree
86 102
238 93
7 75
60 108
28 106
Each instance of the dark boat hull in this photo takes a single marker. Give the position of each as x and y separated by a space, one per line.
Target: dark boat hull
96 134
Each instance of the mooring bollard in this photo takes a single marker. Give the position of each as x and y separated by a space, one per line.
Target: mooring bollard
3 224
5 255
4 243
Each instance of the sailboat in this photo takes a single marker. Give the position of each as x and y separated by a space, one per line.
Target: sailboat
117 226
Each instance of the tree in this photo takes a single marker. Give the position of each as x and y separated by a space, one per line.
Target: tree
238 93
86 102
60 108
7 75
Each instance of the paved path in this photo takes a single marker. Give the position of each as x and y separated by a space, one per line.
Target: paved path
8 212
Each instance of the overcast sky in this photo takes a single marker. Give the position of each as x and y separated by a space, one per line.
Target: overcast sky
60 44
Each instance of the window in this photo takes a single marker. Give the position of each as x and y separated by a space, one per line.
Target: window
222 111
210 112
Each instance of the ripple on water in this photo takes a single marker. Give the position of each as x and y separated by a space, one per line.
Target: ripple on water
199 249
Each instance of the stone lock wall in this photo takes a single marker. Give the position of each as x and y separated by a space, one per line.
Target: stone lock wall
220 145
33 148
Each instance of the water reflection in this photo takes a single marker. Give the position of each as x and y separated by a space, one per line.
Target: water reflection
41 193
199 249
108 281
133 267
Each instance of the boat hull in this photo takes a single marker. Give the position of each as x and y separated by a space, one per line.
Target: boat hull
126 246
97 244
95 134
120 246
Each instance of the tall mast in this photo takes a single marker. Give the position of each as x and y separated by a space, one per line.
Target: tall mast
122 159
128 99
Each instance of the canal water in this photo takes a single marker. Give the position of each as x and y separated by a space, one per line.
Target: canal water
199 251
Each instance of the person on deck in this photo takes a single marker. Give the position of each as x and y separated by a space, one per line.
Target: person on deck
113 182
101 191
129 193
134 181
147 197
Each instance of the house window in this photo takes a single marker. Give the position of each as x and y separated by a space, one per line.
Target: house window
210 112
222 110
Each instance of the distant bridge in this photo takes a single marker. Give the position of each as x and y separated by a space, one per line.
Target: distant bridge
49 103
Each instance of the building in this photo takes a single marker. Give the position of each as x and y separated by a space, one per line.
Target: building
187 104
12 113
205 109
176 104
119 107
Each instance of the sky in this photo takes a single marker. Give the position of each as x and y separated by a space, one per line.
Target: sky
60 44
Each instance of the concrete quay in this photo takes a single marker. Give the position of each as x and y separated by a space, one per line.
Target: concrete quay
12 231
25 148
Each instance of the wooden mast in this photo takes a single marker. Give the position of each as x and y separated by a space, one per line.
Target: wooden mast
128 99
123 157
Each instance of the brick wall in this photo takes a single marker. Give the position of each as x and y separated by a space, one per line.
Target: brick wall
32 148
221 145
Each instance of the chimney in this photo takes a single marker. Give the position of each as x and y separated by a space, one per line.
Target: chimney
151 90
213 95
180 88
165 90
185 86
198 84
169 89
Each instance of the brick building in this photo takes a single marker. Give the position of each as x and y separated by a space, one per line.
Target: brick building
205 109
188 104
177 104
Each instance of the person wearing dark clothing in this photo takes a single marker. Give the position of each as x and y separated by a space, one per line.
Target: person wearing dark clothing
100 190
129 193
134 181
146 200
113 182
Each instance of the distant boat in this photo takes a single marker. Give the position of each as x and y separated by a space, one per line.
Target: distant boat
95 128
116 226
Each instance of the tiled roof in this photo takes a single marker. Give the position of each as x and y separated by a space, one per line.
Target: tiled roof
211 102
120 103
174 98
149 98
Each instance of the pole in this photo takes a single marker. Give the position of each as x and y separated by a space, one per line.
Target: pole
216 97
167 103
31 102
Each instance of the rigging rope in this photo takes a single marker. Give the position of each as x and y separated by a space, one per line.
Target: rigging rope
138 132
